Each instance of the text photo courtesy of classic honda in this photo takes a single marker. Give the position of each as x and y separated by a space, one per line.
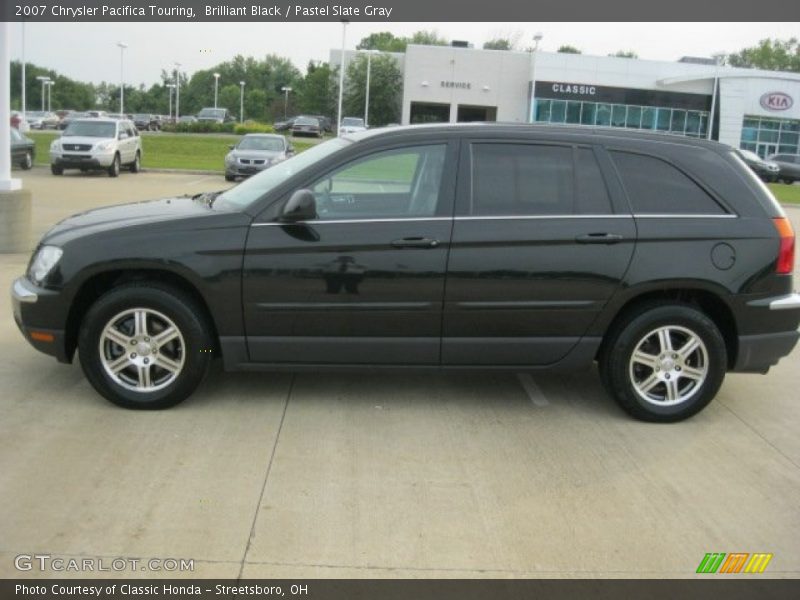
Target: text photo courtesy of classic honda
664 260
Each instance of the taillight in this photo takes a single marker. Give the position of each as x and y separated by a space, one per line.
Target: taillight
785 265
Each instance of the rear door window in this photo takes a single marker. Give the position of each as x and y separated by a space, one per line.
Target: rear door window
654 186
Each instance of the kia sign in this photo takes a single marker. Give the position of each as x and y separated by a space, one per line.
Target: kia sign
776 101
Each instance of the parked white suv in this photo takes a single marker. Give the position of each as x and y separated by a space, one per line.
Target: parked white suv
97 144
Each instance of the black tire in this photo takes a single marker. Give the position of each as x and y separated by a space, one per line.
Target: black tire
229 177
164 304
56 170
27 161
113 170
624 378
136 165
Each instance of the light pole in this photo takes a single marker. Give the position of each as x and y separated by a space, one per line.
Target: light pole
24 79
49 84
171 87
122 46
216 88
537 37
177 91
44 81
285 89
366 100
241 102
341 78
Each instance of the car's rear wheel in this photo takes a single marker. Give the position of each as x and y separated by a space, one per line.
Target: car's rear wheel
113 170
55 170
145 346
664 362
27 161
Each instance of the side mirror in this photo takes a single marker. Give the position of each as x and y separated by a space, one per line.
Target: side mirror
123 136
290 150
231 146
301 206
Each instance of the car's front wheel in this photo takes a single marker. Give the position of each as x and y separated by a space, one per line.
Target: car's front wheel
136 165
27 161
664 362
145 346
56 170
113 170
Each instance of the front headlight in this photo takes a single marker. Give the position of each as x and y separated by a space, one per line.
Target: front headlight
55 145
46 258
230 158
104 145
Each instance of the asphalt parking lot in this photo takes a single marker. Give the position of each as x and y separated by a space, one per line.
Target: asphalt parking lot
382 475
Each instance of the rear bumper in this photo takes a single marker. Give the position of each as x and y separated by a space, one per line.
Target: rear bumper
760 351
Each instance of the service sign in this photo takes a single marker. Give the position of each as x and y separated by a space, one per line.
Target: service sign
776 101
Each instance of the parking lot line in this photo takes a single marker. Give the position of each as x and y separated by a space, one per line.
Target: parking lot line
532 389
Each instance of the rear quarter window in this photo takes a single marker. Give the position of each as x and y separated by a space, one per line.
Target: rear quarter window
654 186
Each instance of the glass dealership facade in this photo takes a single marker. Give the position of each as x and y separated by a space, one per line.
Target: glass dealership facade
768 135
679 121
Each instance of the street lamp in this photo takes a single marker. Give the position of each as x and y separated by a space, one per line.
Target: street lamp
122 46
44 79
216 88
341 78
241 102
537 37
171 87
49 84
285 89
366 101
177 91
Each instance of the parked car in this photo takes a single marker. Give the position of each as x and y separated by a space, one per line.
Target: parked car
325 123
215 115
71 116
765 169
98 114
187 119
306 126
23 150
284 125
352 125
97 144
146 122
254 153
664 259
39 119
789 165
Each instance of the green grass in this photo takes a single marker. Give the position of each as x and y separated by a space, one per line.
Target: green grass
169 150
788 194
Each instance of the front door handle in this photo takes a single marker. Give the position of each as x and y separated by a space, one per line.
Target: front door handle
599 238
415 242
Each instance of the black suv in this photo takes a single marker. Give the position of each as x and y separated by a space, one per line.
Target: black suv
477 246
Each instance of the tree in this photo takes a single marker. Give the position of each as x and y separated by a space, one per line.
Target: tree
315 94
228 98
428 38
65 93
383 41
566 49
769 54
497 44
625 54
386 83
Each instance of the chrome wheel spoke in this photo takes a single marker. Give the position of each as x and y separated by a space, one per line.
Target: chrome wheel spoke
166 336
119 364
643 358
649 383
144 376
693 373
167 364
692 344
115 335
140 323
664 340
673 393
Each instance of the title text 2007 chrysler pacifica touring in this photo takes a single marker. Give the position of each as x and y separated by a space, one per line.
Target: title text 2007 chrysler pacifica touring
479 246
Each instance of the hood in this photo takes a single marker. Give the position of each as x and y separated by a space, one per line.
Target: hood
123 216
82 139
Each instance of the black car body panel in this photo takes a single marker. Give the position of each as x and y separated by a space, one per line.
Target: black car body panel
451 288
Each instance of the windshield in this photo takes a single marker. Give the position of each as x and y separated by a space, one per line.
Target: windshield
250 190
305 121
216 113
353 122
97 129
271 144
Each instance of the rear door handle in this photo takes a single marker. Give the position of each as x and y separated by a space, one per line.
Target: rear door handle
599 238
415 242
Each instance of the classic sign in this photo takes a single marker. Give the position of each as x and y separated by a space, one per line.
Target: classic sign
776 101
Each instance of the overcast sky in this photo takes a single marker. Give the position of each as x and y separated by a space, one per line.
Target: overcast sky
88 52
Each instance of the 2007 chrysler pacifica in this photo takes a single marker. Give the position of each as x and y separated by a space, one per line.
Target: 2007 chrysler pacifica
663 259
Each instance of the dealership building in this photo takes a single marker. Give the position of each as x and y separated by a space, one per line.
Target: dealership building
747 108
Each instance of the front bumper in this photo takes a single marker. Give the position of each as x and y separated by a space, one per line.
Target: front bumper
82 160
238 170
31 306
